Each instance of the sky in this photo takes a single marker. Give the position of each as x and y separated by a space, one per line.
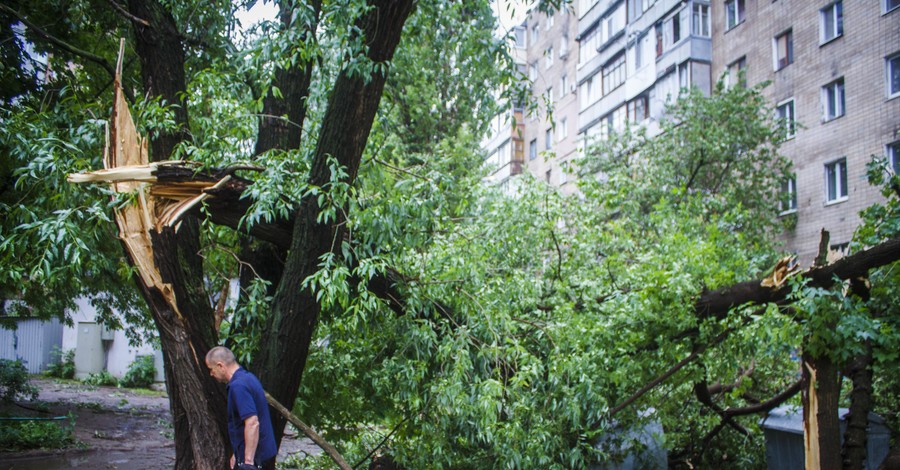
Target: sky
508 12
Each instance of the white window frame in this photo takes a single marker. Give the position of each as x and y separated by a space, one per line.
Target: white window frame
563 85
831 30
892 65
789 122
836 91
735 17
892 151
838 170
788 186
548 139
789 50
535 34
532 150
532 71
548 58
700 26
887 8
562 129
549 23
563 47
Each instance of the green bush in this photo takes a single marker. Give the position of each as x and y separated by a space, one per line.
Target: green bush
64 367
140 373
100 378
24 435
14 382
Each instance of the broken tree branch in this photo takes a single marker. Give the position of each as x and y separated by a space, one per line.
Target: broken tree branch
322 443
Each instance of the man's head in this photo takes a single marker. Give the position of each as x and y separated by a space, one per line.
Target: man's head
221 363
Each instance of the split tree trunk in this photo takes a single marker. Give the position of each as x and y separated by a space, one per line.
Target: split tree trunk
197 402
822 430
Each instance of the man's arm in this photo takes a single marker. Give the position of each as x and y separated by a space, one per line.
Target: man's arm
251 438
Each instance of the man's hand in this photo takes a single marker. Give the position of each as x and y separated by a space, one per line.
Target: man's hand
231 462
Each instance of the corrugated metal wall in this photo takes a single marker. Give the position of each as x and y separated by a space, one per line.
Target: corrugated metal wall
32 342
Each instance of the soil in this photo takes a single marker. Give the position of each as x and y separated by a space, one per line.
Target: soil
114 428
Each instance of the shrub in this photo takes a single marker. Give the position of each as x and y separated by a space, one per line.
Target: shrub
100 378
64 367
140 373
14 382
24 435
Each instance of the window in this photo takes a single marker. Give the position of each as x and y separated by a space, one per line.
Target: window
532 149
638 52
833 100
893 156
590 92
547 175
831 21
564 47
836 181
589 45
737 73
783 52
684 76
562 129
532 71
548 139
637 109
734 13
563 85
788 200
612 24
614 73
891 5
563 173
535 34
893 75
700 20
549 23
548 58
784 112
519 32
549 99
646 4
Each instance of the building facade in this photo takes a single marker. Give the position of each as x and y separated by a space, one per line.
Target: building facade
834 70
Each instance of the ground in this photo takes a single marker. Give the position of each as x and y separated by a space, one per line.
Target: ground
115 428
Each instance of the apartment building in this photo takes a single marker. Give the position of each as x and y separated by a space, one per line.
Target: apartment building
551 128
834 69
503 143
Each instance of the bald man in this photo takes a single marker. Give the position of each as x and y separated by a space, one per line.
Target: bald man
249 424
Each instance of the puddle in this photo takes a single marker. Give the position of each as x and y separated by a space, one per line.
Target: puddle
89 459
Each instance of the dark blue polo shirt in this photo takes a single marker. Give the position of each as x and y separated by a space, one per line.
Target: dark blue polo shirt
245 399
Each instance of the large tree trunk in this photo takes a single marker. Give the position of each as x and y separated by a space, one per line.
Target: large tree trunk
187 330
343 136
821 424
855 437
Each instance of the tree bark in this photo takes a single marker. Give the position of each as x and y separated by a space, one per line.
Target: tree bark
822 430
343 136
197 402
855 437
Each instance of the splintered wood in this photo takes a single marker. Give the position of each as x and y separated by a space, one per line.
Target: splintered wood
128 170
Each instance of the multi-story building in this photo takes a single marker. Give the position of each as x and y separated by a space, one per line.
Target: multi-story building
503 144
834 72
834 69
551 125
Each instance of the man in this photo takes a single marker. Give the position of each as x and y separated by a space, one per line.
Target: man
249 425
